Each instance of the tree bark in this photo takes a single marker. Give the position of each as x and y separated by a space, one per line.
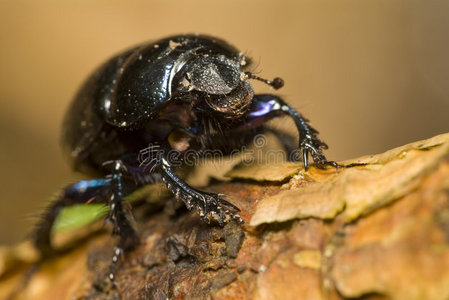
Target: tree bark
377 228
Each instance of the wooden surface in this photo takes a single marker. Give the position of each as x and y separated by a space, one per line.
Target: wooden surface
379 230
370 75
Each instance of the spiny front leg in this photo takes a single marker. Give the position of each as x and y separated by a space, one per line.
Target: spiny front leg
265 107
210 206
308 139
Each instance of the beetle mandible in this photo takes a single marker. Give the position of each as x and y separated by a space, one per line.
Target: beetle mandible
189 88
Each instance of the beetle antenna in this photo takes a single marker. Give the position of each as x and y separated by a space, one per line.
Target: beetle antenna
276 83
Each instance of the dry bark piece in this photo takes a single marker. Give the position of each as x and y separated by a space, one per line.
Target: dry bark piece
320 200
402 251
358 190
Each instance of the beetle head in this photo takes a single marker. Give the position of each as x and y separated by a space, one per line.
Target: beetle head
222 82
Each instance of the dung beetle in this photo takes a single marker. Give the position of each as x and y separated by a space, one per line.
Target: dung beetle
184 92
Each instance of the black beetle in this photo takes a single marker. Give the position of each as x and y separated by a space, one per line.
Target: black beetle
182 92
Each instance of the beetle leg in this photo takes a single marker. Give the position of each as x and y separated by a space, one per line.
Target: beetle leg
117 215
103 190
265 107
84 191
210 206
128 238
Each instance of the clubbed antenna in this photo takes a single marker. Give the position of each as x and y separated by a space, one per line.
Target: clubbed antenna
276 83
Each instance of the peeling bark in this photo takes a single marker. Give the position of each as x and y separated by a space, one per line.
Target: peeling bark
376 229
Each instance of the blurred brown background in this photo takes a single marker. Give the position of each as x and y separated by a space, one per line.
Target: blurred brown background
371 75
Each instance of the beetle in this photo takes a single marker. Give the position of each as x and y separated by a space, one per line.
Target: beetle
179 93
